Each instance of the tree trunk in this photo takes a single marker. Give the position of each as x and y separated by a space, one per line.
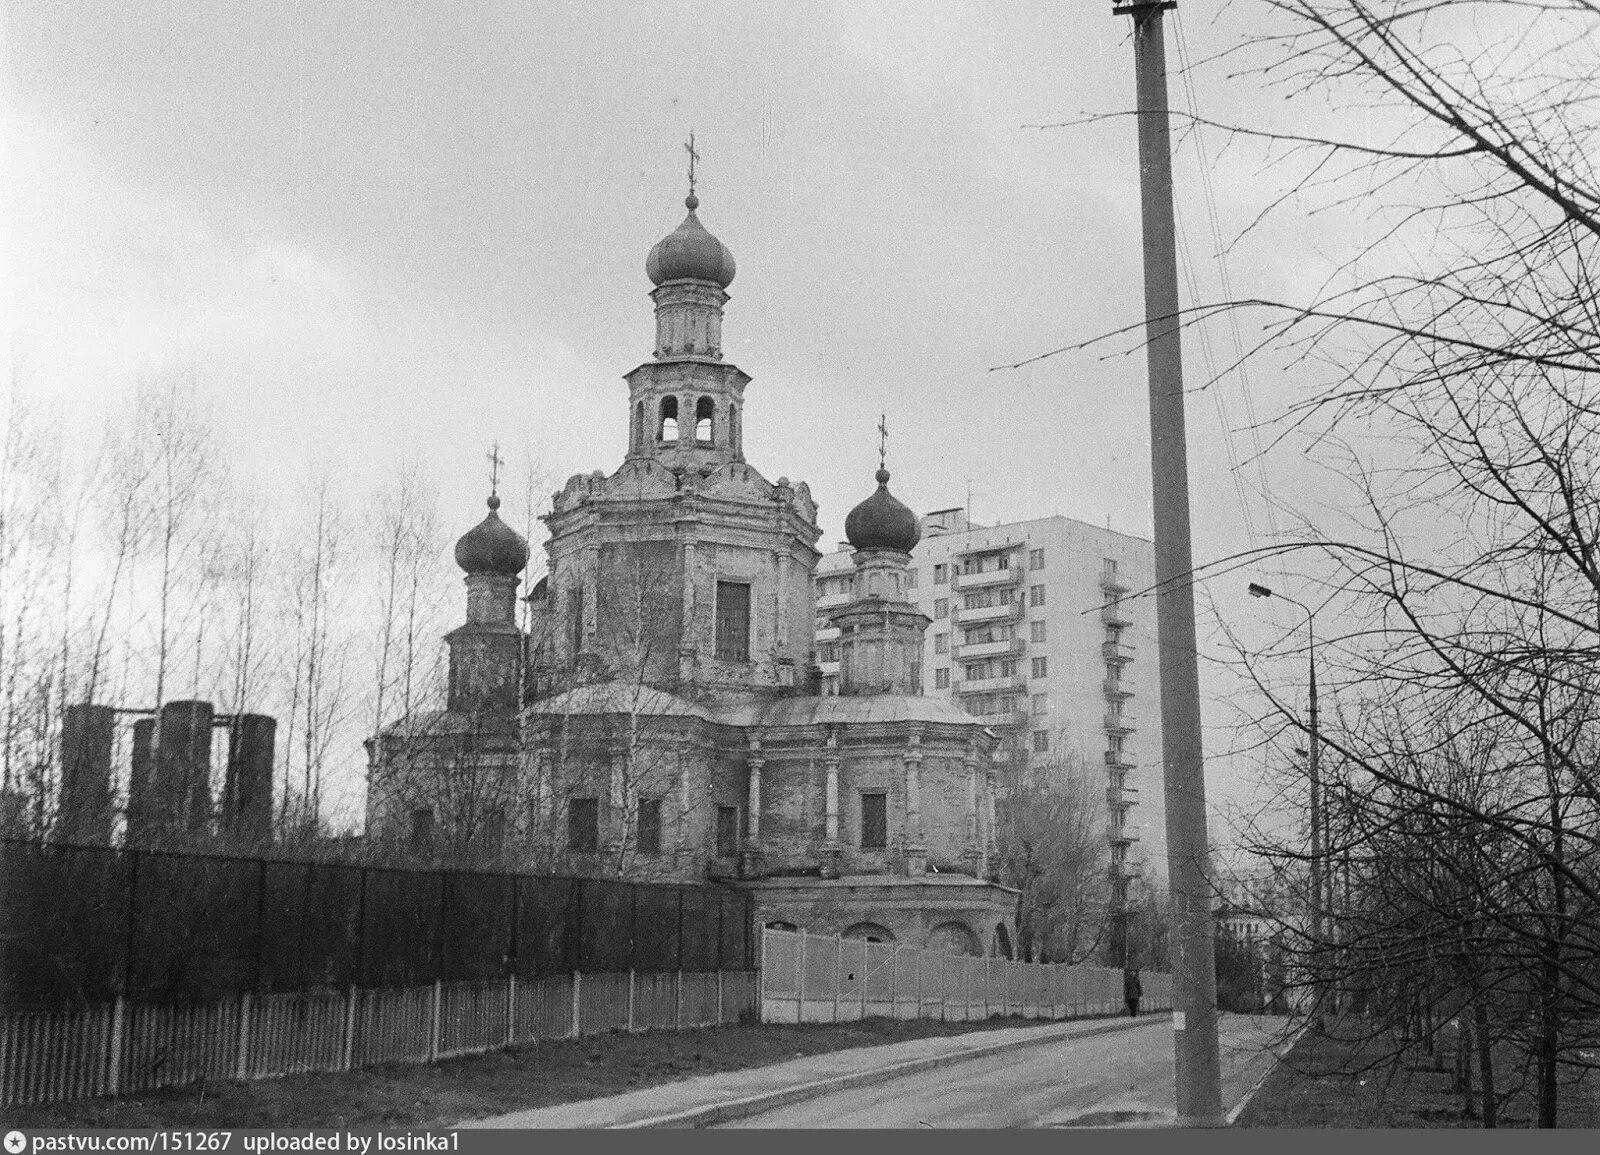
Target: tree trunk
1480 1031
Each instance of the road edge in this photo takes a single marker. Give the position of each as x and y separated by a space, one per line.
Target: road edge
714 1113
1278 1057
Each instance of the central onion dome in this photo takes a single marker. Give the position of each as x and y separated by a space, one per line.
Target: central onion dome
690 252
882 521
492 547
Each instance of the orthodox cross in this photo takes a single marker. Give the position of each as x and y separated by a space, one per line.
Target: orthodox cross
883 438
693 156
494 470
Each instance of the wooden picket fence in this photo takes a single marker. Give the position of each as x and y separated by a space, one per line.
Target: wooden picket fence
125 1048
817 978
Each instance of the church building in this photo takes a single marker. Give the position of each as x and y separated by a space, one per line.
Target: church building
661 720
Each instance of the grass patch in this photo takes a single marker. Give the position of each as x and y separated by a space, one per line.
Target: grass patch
537 1075
1337 1079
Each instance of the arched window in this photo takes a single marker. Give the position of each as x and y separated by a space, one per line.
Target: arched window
669 419
637 441
703 410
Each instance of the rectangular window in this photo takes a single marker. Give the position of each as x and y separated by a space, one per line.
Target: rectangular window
422 830
648 826
1108 566
1041 667
1041 703
941 574
1036 559
727 831
1036 631
583 824
874 821
941 607
1003 561
941 643
1036 595
733 621
1008 667
1041 741
941 678
911 578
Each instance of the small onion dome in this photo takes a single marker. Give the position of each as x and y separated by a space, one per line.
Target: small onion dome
492 547
690 251
882 522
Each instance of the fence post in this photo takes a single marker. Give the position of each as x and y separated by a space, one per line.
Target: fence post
677 1001
433 1024
865 954
800 987
119 1017
988 984
719 995
577 1004
511 1010
838 972
241 1055
349 1027
894 983
630 1000
920 960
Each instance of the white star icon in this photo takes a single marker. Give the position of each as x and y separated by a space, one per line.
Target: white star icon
15 1142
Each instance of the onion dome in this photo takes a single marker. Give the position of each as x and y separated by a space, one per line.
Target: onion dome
492 547
690 251
882 522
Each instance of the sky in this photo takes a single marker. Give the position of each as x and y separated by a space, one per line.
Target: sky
374 231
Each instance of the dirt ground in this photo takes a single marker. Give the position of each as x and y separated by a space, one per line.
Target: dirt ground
1322 1084
539 1075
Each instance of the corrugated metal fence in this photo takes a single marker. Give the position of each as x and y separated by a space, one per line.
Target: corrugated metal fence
811 978
49 1056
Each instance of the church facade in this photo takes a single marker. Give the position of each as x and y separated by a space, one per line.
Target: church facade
660 718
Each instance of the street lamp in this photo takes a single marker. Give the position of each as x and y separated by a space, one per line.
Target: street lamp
1257 590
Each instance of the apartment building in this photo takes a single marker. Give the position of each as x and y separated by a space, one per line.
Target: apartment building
1036 631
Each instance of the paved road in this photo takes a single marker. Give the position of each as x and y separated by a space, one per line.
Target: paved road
1122 1078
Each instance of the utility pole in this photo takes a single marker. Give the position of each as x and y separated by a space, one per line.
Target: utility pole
1194 977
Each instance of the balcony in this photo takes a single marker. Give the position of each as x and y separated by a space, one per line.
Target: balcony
1119 796
989 579
1008 612
831 601
1116 689
1123 834
830 634
1008 720
1115 613
1002 649
1120 761
989 685
1116 651
828 668
1125 870
1114 585
1119 723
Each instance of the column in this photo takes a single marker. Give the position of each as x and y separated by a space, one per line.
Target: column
831 848
687 651
916 849
973 854
751 857
990 850
618 761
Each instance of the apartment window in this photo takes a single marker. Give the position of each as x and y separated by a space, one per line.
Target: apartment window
911 579
1036 559
1041 667
829 652
1108 566
1003 561
916 677
733 621
1036 595
1036 631
941 607
1041 704
727 831
1041 741
874 821
647 826
941 678
941 574
583 824
941 643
